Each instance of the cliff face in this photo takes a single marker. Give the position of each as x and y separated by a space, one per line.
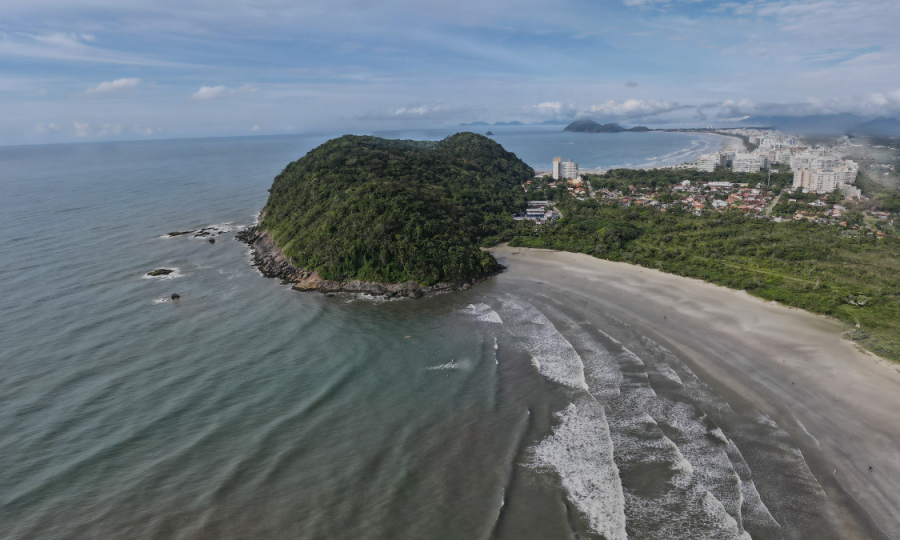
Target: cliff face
272 263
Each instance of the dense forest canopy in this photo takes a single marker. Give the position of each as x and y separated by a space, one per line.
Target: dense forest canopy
367 208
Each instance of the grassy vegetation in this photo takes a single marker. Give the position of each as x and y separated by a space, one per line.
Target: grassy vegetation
824 269
391 211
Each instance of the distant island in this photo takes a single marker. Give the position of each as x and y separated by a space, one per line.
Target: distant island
586 125
392 217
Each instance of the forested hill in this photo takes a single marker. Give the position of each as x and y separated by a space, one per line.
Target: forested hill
373 209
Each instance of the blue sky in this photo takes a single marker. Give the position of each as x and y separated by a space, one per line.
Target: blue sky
126 69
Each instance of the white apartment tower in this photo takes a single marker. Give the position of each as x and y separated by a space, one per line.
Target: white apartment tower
748 163
568 170
709 162
557 161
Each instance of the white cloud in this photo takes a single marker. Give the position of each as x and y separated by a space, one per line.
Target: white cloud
875 104
114 86
213 92
110 129
60 46
632 108
48 127
255 128
209 92
421 111
81 129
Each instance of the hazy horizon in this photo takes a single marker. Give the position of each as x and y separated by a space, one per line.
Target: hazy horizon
102 70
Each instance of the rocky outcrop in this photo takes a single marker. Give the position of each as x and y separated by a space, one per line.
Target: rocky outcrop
272 263
160 272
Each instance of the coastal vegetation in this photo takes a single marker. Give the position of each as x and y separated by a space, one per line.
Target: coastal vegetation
820 268
390 211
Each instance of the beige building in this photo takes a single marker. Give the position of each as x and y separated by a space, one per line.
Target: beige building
748 163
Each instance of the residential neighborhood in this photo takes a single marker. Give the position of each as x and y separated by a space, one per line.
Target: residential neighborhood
811 183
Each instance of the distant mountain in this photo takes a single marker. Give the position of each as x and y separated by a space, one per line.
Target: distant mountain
880 126
586 125
478 123
513 123
828 124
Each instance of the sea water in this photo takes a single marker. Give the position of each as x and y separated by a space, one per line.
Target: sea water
246 410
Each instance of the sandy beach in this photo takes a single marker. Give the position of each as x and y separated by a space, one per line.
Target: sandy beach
839 405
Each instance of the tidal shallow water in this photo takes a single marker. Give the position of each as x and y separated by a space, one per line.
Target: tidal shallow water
247 410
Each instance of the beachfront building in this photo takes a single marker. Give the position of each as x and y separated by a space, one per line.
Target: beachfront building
557 161
710 162
568 170
748 163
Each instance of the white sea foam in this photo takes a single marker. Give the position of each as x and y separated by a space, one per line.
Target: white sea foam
580 450
601 371
553 356
753 511
808 434
484 313
449 365
176 273
162 300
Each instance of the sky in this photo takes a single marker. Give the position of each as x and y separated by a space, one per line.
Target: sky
79 70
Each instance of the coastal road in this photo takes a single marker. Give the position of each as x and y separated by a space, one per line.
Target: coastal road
839 405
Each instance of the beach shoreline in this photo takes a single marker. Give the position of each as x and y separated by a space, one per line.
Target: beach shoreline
837 403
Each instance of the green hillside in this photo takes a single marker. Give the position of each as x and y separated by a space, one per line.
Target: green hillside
366 208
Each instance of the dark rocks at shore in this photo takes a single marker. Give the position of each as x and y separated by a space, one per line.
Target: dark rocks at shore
160 272
212 240
175 296
272 263
208 232
179 233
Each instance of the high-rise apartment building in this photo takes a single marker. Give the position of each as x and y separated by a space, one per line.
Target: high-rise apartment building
568 170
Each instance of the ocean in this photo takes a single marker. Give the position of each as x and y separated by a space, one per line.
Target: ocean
247 410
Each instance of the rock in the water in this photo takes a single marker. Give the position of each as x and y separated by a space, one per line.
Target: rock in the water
179 233
160 272
175 296
212 240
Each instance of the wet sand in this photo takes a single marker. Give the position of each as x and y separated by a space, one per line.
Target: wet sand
839 405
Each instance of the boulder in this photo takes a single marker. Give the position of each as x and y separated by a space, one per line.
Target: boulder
175 296
212 240
160 272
